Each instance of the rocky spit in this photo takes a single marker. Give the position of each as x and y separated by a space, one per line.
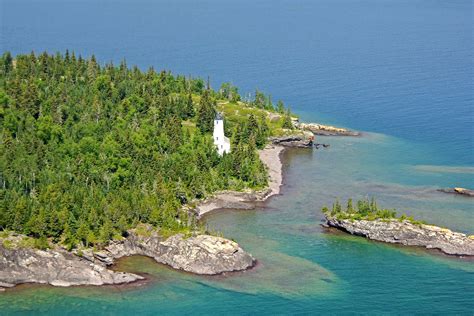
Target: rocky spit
409 234
200 254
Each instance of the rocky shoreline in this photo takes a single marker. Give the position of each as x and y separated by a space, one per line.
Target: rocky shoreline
404 232
247 200
325 130
271 157
295 141
200 254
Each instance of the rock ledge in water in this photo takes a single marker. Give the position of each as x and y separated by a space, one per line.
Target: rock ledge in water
55 267
296 141
461 191
200 254
406 233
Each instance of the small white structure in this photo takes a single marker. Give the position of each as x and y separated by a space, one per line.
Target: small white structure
222 142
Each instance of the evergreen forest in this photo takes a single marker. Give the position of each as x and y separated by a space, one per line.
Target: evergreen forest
90 150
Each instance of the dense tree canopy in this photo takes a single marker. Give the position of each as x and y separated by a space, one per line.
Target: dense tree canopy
90 150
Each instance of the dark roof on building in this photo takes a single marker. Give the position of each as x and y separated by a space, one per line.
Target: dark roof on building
219 116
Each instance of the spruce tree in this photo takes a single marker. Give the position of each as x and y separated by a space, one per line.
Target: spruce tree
280 107
188 107
262 134
206 113
350 208
7 62
287 123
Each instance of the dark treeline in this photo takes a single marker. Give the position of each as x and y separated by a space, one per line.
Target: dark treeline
89 151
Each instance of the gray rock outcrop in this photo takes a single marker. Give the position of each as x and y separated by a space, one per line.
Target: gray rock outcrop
325 130
292 141
406 233
55 267
200 254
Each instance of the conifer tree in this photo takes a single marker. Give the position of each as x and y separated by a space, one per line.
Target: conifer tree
174 132
287 123
263 133
280 107
206 113
350 208
188 110
7 63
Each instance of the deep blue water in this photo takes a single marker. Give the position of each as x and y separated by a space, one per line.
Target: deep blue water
399 67
400 70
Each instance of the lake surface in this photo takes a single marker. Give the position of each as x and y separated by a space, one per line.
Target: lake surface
400 70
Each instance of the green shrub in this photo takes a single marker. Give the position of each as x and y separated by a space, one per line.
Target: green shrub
41 243
27 242
366 210
8 244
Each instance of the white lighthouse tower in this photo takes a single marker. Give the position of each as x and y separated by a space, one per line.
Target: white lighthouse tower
222 142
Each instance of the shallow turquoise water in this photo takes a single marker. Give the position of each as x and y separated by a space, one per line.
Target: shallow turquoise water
302 267
401 70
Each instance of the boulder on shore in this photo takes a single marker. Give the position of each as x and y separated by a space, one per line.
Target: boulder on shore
406 233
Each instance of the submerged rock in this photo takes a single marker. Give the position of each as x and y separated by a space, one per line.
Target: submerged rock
406 233
461 191
200 254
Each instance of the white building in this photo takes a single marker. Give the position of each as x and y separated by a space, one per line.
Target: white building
222 142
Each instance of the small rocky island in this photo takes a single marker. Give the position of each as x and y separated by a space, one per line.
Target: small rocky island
200 254
383 225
